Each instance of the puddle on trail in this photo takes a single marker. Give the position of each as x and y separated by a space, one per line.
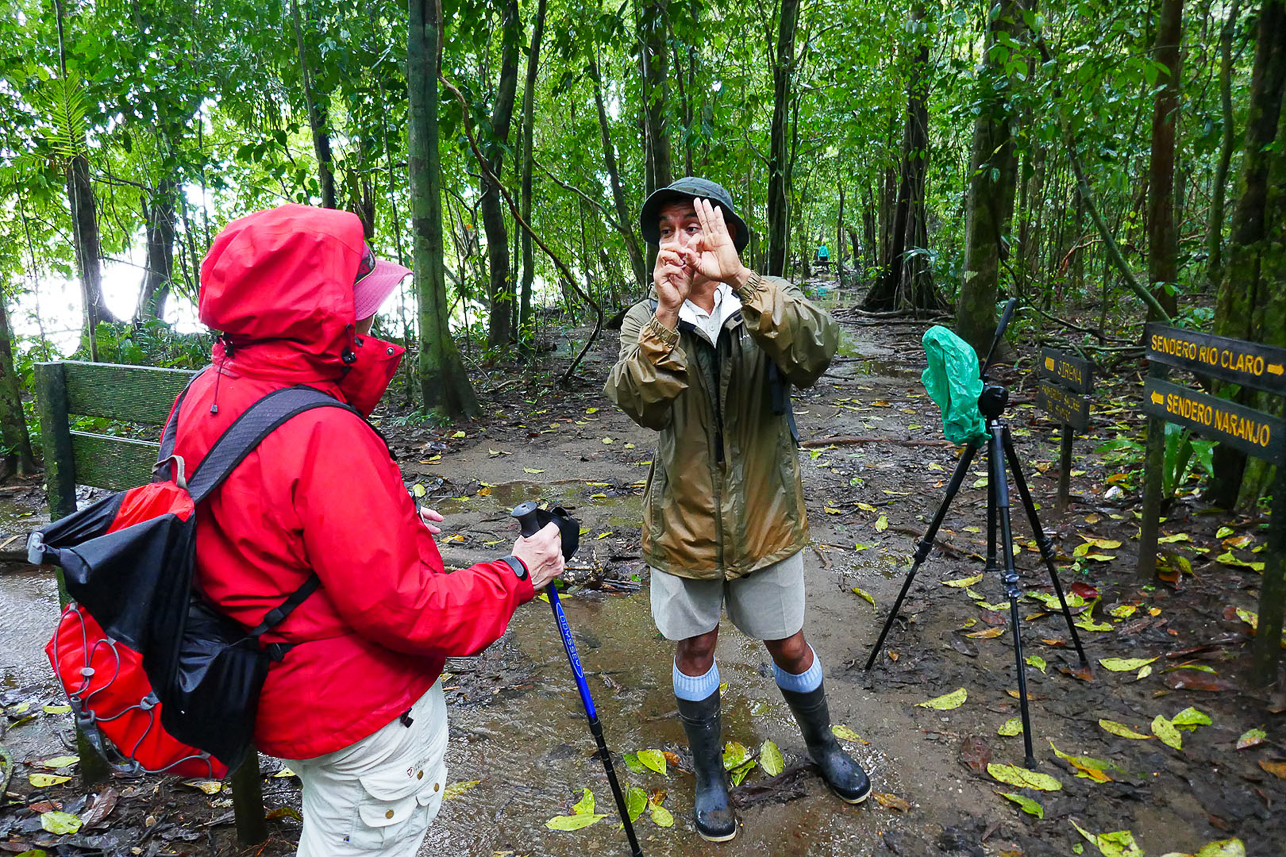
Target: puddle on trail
626 509
869 359
29 605
532 749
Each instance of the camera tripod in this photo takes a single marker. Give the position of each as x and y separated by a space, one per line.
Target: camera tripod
1000 450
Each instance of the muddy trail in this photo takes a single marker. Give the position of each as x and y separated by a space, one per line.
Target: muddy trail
875 470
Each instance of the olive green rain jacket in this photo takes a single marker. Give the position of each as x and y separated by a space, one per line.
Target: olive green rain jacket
723 496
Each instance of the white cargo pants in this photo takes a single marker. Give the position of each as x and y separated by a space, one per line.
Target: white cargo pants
378 795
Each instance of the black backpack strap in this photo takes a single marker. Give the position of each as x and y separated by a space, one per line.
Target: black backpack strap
779 387
278 614
169 435
257 422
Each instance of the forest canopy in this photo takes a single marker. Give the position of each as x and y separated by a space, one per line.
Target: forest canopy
1111 158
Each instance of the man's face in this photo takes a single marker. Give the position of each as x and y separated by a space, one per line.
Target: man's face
678 225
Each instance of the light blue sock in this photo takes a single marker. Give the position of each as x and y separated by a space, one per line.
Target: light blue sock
809 679
695 688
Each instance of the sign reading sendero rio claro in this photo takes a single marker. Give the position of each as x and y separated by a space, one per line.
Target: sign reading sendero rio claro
1260 367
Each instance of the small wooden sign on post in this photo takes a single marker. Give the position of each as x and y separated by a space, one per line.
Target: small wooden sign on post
1259 367
1066 381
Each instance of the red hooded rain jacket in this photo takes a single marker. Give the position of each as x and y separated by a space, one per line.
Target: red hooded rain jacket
321 494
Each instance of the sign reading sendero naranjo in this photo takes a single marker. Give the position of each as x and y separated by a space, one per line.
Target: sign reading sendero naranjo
1261 367
1253 432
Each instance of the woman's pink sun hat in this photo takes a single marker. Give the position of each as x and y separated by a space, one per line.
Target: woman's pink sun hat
376 280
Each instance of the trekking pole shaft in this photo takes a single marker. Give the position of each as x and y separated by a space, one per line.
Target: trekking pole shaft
578 672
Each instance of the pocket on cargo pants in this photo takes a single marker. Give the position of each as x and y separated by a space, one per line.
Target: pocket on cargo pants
397 806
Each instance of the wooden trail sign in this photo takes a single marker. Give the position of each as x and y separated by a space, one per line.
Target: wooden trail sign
1249 364
1074 373
1260 367
1066 382
1251 431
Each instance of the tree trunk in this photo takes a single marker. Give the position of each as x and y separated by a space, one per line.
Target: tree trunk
624 222
654 64
993 172
783 72
444 385
1214 229
500 291
159 214
13 426
1163 238
1247 289
528 165
316 116
84 222
906 282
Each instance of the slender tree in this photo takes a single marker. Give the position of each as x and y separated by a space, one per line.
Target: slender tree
528 165
992 179
783 72
500 290
317 114
1249 289
444 384
1163 236
906 281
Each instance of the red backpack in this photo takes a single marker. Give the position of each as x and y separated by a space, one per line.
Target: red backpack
152 670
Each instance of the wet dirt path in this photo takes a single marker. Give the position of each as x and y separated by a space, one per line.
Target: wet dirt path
517 728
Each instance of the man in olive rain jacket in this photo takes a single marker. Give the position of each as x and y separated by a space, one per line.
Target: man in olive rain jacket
707 360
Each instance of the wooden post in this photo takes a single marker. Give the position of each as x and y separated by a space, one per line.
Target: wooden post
55 435
247 801
1272 593
1065 471
60 491
1153 464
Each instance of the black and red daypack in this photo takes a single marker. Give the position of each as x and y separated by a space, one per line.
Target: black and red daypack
147 663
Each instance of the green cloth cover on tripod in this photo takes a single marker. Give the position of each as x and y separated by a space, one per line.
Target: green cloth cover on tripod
954 383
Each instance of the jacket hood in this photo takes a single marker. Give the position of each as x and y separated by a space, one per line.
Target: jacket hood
285 276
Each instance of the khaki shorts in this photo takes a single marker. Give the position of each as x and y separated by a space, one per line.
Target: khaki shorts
767 604
378 795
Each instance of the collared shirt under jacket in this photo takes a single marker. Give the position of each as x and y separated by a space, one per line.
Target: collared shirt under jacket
723 496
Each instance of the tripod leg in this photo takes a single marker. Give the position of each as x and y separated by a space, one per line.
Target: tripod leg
1042 540
1010 577
925 544
991 526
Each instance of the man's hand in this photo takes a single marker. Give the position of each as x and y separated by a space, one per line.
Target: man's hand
542 554
673 280
713 255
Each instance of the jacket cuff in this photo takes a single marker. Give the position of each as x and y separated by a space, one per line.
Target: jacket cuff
654 328
753 286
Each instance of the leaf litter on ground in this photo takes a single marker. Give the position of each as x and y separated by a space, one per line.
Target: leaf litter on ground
582 816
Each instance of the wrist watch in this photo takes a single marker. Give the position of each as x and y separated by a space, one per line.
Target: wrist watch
516 566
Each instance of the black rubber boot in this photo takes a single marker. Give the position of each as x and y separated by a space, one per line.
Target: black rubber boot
845 776
715 819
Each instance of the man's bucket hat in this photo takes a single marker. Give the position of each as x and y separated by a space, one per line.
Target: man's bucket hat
687 188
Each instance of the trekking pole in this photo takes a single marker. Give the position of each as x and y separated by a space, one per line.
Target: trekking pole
532 518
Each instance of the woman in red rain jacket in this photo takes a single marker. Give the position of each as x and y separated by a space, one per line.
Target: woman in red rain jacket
356 705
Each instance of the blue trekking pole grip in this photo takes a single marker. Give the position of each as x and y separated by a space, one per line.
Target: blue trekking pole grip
532 518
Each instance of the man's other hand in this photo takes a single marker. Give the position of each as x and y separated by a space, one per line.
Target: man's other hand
713 254
542 554
673 280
